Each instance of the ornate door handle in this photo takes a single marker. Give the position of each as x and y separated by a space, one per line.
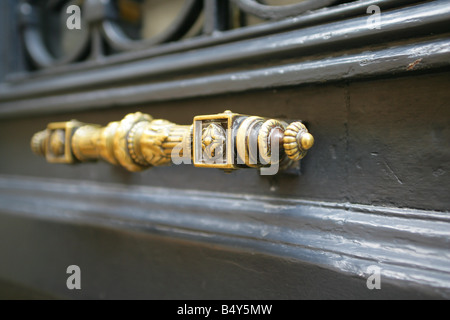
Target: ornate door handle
226 141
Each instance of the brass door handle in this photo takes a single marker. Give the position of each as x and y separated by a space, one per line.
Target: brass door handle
226 141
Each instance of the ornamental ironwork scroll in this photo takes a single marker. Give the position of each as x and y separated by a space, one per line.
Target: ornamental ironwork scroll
109 27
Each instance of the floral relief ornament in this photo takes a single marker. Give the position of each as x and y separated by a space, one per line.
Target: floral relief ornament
213 140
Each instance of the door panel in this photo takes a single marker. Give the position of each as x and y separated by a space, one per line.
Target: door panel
372 191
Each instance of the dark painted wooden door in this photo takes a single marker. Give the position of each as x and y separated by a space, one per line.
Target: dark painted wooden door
365 217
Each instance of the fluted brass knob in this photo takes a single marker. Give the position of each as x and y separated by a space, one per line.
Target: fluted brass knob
226 141
38 142
297 141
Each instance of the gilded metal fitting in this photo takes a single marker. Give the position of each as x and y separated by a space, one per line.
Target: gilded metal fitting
226 141
297 141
